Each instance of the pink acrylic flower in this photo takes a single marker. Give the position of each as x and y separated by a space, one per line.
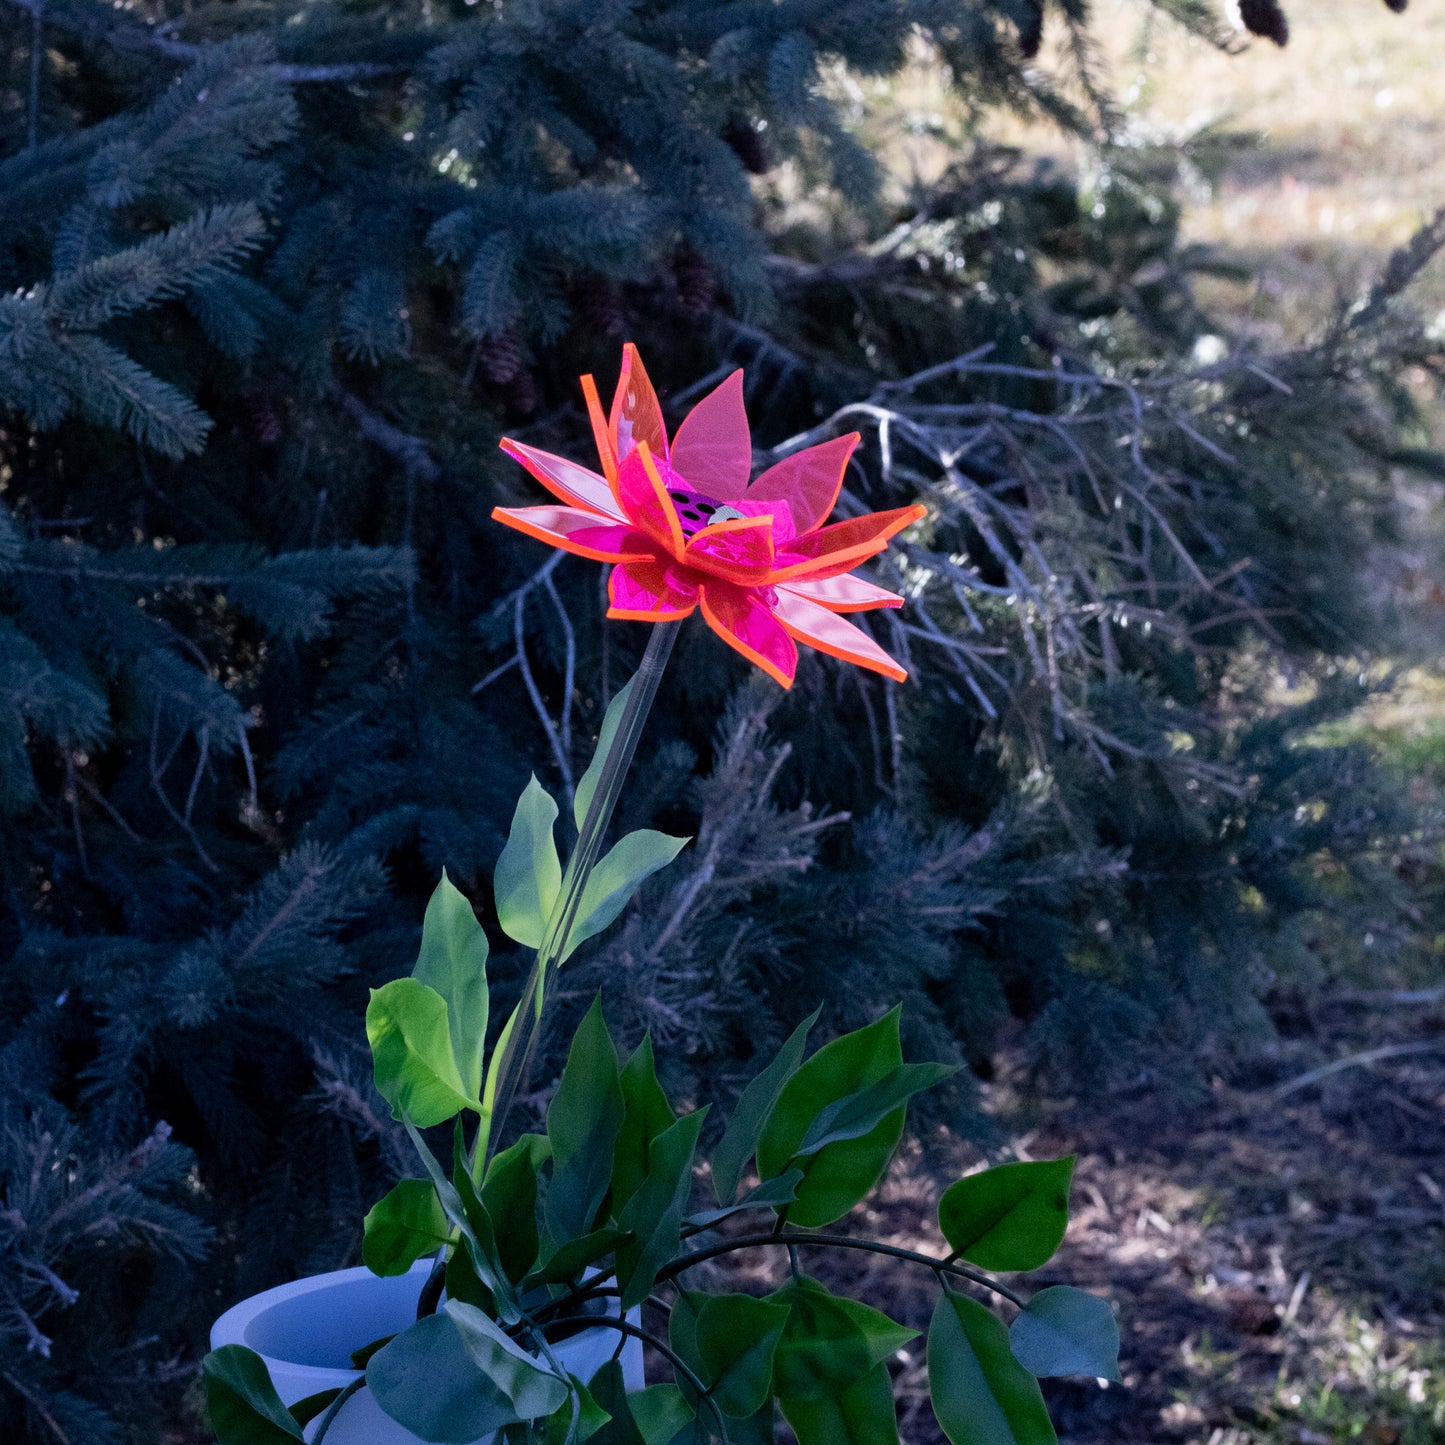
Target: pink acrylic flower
686 529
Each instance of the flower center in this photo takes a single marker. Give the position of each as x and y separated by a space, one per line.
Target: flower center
696 511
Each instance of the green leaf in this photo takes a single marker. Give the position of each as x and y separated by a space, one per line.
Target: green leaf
1067 1331
453 961
305 1411
584 1120
572 1426
740 1138
529 873
653 1216
860 1113
483 1246
582 799
242 1402
980 1393
572 1256
405 1224
770 1194
616 877
466 1216
837 1176
609 1390
411 1049
830 1342
647 1114
862 1414
661 1413
509 1193
1012 1217
737 1337
454 1375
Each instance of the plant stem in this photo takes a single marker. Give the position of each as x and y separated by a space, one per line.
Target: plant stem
520 1035
334 1408
661 1346
836 1241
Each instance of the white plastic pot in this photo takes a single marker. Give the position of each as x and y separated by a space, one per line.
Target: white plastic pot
306 1331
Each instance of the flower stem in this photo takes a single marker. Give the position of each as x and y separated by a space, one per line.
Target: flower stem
518 1038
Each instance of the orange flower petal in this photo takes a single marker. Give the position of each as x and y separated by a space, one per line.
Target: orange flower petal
577 532
713 448
815 625
740 617
600 433
808 481
841 547
636 416
845 593
568 482
647 502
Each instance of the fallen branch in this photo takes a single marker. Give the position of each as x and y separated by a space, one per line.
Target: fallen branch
1358 1061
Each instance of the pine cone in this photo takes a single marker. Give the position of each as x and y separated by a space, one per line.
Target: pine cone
521 393
1031 30
696 283
499 354
1264 17
741 134
599 299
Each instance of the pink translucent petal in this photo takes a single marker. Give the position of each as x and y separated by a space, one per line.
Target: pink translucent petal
739 550
636 416
808 481
843 594
741 618
648 591
579 532
713 449
642 490
816 626
570 483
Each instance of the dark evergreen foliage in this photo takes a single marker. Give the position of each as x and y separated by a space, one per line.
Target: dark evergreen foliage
276 278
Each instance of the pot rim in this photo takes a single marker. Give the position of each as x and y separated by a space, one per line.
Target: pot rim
232 1327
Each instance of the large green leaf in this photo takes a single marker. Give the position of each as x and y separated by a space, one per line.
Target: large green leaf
609 1390
617 876
569 1258
455 1375
737 1337
837 1176
647 1114
770 1194
509 1193
830 1342
466 1214
653 1216
980 1393
1012 1217
241 1401
858 1114
862 1414
587 787
529 873
579 1419
1067 1331
453 961
745 1127
405 1224
411 1049
661 1412
584 1120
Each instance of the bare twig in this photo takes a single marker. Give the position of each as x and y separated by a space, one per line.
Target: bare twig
1357 1061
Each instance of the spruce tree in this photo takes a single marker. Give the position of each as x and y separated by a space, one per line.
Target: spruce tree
276 278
